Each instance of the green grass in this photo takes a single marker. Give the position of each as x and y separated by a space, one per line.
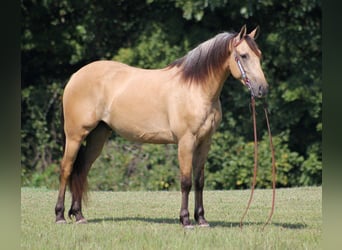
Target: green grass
149 220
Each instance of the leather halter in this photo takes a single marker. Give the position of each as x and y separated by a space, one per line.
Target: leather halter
244 76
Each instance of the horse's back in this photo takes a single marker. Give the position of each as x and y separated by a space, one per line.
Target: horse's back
95 73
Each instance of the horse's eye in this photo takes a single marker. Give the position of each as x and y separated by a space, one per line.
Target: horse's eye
244 56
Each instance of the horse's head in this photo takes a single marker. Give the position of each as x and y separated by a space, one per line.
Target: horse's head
244 62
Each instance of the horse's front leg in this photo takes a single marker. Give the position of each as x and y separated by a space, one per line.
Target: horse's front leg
185 156
200 158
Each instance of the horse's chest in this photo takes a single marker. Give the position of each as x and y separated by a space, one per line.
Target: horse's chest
210 123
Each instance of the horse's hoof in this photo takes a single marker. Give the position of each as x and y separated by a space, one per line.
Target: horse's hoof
204 225
82 221
188 226
61 222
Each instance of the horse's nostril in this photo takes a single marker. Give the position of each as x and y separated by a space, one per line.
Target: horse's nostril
262 91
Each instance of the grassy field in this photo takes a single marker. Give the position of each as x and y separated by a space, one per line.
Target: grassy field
149 220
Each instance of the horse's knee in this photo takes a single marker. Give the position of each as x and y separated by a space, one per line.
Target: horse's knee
186 183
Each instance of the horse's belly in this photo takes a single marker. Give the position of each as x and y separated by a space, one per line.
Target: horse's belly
158 137
141 127
147 136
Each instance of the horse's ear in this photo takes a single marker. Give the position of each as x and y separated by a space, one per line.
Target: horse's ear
242 32
240 36
255 33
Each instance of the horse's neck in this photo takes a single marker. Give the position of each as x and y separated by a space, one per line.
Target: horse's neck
214 85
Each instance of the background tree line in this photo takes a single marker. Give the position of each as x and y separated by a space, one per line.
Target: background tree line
59 37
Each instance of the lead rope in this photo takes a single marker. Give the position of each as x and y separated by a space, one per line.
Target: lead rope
256 163
273 166
255 160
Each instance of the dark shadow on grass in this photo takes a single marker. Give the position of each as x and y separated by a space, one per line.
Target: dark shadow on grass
143 219
291 225
213 224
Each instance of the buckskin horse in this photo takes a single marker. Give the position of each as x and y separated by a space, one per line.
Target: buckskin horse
178 104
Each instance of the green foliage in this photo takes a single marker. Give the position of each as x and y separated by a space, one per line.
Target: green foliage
41 137
312 167
153 50
60 37
126 166
195 9
48 178
231 167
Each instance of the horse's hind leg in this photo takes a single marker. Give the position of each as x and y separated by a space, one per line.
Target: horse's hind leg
87 155
71 149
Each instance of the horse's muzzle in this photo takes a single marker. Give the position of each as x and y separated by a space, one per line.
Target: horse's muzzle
259 91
